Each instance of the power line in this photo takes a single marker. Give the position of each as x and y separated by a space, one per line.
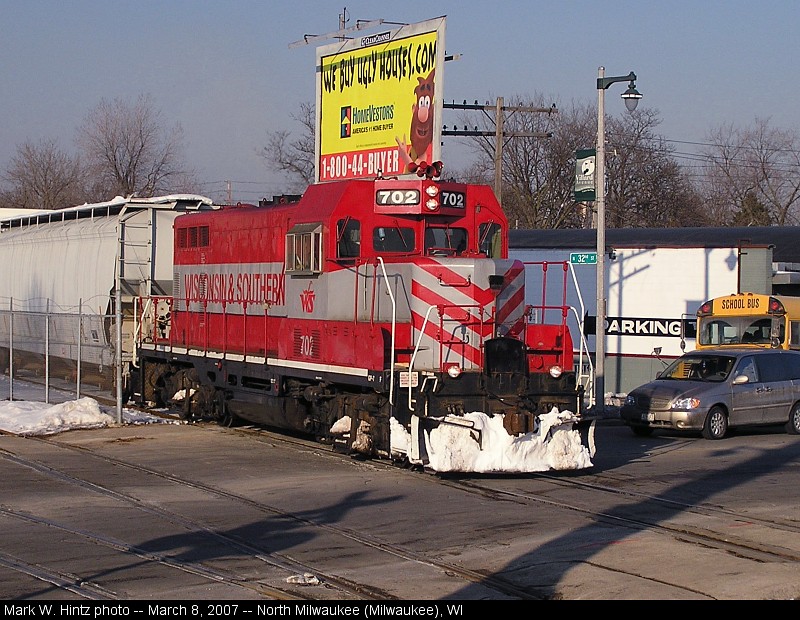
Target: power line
735 146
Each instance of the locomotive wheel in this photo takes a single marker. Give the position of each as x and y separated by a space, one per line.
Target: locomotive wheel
222 414
151 390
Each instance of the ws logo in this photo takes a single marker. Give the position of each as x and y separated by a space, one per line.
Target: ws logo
307 298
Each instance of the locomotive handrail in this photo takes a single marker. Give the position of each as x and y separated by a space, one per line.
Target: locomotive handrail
464 283
394 321
584 346
479 319
584 342
583 351
414 355
137 326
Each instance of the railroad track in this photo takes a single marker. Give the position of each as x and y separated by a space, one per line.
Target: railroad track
604 490
283 565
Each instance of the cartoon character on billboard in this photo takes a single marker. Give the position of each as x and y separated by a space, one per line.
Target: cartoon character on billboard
421 135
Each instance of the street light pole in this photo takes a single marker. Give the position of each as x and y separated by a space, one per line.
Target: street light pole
631 97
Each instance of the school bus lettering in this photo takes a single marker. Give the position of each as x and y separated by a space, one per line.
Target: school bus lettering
741 303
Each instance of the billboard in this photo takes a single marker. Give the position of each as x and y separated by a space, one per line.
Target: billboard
379 102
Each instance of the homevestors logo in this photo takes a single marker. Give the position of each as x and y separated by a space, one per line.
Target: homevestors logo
346 128
383 37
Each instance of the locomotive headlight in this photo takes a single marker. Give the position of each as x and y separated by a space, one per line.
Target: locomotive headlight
555 371
432 203
454 370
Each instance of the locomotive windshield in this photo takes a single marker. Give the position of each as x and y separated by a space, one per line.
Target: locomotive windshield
393 239
445 241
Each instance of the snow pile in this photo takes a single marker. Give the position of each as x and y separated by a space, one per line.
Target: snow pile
479 443
24 417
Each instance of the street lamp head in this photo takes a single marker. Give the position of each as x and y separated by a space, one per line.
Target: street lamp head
631 96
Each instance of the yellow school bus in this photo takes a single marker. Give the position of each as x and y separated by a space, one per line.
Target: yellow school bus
748 319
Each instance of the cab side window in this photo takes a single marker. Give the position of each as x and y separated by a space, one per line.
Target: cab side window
304 249
490 238
348 235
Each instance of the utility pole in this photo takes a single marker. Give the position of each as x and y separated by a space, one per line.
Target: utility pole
499 132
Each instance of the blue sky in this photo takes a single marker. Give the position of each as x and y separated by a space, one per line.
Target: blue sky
226 73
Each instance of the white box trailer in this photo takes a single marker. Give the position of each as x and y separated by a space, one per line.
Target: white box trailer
655 281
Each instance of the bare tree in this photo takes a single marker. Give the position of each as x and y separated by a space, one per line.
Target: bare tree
536 191
645 186
296 158
128 151
753 213
758 164
43 176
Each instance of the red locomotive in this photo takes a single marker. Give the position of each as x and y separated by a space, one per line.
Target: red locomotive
368 313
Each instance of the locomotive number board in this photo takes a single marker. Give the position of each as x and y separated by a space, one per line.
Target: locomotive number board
407 197
453 199
397 197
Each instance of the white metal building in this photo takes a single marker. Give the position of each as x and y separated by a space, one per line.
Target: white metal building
655 281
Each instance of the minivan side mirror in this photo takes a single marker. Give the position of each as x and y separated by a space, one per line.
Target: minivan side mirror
739 379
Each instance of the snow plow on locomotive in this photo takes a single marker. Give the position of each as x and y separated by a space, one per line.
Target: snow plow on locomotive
382 316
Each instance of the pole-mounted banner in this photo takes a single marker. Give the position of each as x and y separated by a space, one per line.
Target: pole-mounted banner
584 175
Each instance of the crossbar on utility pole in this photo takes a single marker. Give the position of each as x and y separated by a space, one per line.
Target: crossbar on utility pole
499 132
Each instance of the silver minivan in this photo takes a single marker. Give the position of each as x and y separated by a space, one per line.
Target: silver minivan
712 390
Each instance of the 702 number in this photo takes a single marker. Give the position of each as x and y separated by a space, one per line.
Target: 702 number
397 197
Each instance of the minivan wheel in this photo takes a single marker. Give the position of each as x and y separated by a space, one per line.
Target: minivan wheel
793 425
716 426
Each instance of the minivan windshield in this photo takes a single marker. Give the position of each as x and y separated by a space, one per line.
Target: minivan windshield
699 368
